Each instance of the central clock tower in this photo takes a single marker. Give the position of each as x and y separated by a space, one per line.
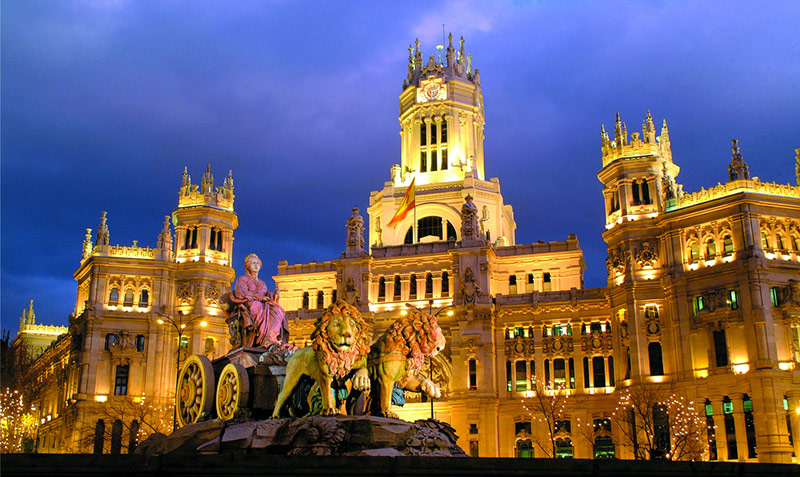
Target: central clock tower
441 137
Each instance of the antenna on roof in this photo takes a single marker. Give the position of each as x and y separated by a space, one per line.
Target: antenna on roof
440 47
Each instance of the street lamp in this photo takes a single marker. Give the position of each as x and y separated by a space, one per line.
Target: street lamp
180 326
430 360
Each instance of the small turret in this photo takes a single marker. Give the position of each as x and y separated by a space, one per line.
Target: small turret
451 52
227 186
737 170
30 315
644 144
102 231
190 195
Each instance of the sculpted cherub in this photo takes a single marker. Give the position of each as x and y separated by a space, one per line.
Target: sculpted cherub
397 357
335 359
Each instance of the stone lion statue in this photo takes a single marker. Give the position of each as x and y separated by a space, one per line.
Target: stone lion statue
398 356
336 357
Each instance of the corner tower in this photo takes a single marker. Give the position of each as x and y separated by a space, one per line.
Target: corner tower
441 150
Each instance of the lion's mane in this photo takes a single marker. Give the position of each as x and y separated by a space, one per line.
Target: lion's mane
341 363
414 336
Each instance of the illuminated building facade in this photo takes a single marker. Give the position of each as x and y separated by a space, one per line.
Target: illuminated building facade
120 345
702 292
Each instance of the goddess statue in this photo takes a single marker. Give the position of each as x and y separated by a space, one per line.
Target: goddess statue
264 322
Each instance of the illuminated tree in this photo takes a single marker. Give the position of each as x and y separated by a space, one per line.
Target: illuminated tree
658 423
17 421
547 405
140 417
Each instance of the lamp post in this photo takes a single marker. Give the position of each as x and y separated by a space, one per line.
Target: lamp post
430 360
180 326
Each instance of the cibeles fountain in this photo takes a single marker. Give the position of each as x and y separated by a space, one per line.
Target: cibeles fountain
334 397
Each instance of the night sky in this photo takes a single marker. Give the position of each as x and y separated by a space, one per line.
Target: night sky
105 102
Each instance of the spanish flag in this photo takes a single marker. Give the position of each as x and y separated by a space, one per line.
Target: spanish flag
406 205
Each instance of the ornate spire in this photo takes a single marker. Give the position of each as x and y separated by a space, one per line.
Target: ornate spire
451 52
87 244
102 231
208 181
604 135
410 61
227 186
650 132
461 53
618 131
797 165
417 57
31 316
165 237
664 132
738 169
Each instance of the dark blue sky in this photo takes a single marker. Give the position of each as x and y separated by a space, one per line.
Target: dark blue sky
105 102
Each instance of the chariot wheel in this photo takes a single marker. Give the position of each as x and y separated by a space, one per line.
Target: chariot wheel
195 396
233 390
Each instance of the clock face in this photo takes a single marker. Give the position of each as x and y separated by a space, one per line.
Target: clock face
431 91
434 91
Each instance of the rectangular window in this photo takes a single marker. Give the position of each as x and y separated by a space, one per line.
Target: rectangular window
611 371
444 159
586 383
508 376
433 132
730 430
750 428
599 372
444 130
423 161
547 381
473 448
434 161
733 299
121 380
473 374
423 133
720 348
560 373
656 362
794 332
521 375
533 374
546 284
571 373
773 294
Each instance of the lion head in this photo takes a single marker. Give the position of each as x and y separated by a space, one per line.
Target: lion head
416 335
341 336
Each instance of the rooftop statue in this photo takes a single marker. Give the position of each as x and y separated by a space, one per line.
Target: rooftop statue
261 321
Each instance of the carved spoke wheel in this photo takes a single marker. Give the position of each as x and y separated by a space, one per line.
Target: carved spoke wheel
195 397
233 390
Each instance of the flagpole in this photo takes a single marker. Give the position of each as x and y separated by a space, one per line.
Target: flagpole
413 184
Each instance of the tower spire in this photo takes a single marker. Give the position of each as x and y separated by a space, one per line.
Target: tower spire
737 169
618 132
102 231
208 181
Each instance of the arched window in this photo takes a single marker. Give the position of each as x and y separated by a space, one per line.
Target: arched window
140 343
128 297
423 132
694 252
564 449
412 286
397 288
111 340
320 299
445 284
144 298
524 449
656 361
727 245
521 375
711 249
599 372
428 285
429 226
611 371
795 245
780 242
212 239
305 301
382 289
764 241
113 296
451 232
